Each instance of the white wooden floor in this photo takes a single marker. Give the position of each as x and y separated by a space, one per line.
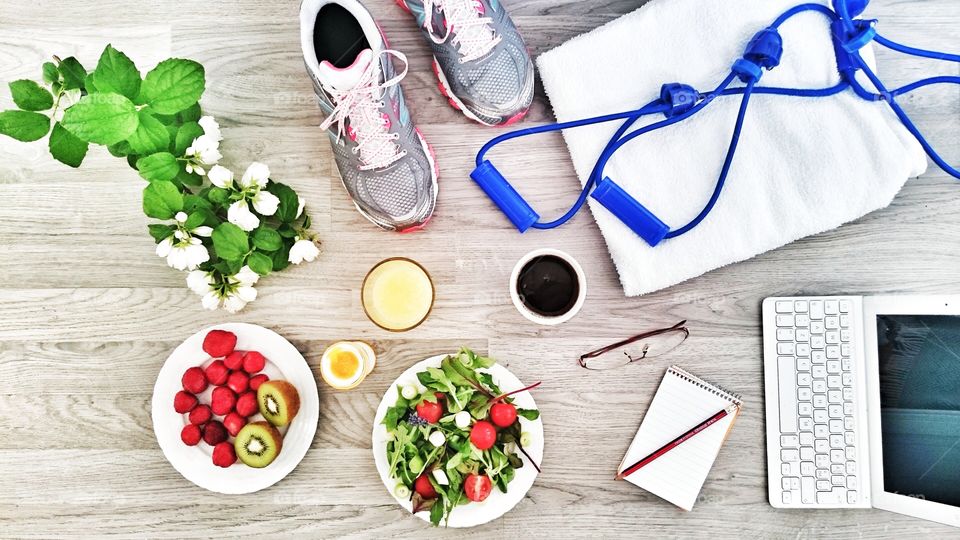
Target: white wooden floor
88 313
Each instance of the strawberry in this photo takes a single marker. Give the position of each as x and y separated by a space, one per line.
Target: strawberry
238 381
184 402
194 381
200 415
234 422
190 435
219 343
217 372
214 433
253 362
247 404
234 360
224 455
222 400
257 380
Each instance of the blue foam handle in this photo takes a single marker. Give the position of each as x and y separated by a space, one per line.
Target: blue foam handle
630 212
504 196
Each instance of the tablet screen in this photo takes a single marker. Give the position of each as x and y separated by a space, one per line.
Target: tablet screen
919 360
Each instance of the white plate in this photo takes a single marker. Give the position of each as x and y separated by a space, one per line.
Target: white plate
195 462
497 504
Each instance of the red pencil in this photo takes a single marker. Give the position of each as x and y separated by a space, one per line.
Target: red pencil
676 442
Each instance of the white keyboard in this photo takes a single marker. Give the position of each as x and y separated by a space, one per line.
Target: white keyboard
816 449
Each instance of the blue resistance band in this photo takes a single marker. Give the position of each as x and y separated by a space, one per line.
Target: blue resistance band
677 102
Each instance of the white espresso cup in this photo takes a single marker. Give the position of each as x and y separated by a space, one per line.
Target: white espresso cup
574 303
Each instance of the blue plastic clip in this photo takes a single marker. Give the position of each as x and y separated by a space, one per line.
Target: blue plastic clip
680 97
630 212
865 34
506 198
854 7
765 49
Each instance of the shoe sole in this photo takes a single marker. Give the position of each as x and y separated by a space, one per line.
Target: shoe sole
453 100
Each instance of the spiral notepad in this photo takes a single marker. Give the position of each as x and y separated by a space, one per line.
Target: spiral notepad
682 402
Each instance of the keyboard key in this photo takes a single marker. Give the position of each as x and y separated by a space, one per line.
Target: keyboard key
817 327
852 482
789 348
788 395
803 349
836 456
836 468
834 396
823 474
806 425
820 416
835 497
784 320
836 426
844 321
831 323
835 411
845 306
852 497
821 446
831 307
818 371
824 485
802 320
803 409
833 351
833 366
834 381
789 441
849 438
804 394
789 454
848 422
836 441
822 461
804 379
790 483
851 453
845 362
817 342
803 364
848 394
832 337
818 357
820 431
816 309
807 490
802 334
820 386
820 401
851 467
785 469
806 453
847 379
838 481
807 468
848 408
845 338
787 497
785 334
784 306
806 438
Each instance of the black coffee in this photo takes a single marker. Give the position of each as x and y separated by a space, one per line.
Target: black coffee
548 286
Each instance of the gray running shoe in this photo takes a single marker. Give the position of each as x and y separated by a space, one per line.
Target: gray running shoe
385 164
479 57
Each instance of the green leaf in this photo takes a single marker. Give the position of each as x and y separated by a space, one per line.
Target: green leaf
185 136
30 96
117 73
66 148
289 202
173 86
121 149
151 136
74 74
102 118
230 242
188 179
529 414
159 231
218 195
24 126
267 239
159 167
190 114
281 258
162 200
193 202
50 73
260 263
196 219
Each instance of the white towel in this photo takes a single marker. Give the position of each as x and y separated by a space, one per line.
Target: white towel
803 166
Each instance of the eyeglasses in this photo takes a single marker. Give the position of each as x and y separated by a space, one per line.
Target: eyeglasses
636 348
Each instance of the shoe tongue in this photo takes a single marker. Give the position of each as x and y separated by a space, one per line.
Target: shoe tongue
348 77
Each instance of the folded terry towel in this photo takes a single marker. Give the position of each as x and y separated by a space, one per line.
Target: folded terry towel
803 166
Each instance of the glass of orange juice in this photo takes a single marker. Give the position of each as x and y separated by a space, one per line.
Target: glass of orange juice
397 294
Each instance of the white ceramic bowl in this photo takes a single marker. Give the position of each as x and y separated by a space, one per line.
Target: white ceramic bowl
497 503
536 317
195 462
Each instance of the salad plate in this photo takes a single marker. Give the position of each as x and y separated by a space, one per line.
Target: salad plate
523 463
283 362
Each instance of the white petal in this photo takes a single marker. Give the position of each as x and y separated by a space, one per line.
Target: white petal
211 300
163 248
240 215
257 174
300 204
177 258
303 250
210 127
180 217
198 281
246 276
202 230
234 303
266 203
221 177
196 255
211 156
247 294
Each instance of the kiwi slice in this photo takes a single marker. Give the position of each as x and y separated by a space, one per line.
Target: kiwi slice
258 444
279 402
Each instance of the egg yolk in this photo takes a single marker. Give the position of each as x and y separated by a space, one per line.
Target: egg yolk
343 364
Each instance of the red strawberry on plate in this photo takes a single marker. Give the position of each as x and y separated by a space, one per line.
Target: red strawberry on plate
238 381
257 380
224 455
247 404
219 343
234 423
214 433
234 360
190 435
200 415
253 362
217 372
184 402
222 400
194 380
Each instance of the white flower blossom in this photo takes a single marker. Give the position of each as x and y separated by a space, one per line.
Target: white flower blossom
202 230
221 177
240 215
303 250
236 292
256 174
183 253
200 282
265 203
210 127
203 152
181 217
300 204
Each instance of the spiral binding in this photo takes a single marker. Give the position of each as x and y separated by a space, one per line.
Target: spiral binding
709 387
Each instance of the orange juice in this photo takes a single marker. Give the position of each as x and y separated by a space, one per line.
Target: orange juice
397 294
